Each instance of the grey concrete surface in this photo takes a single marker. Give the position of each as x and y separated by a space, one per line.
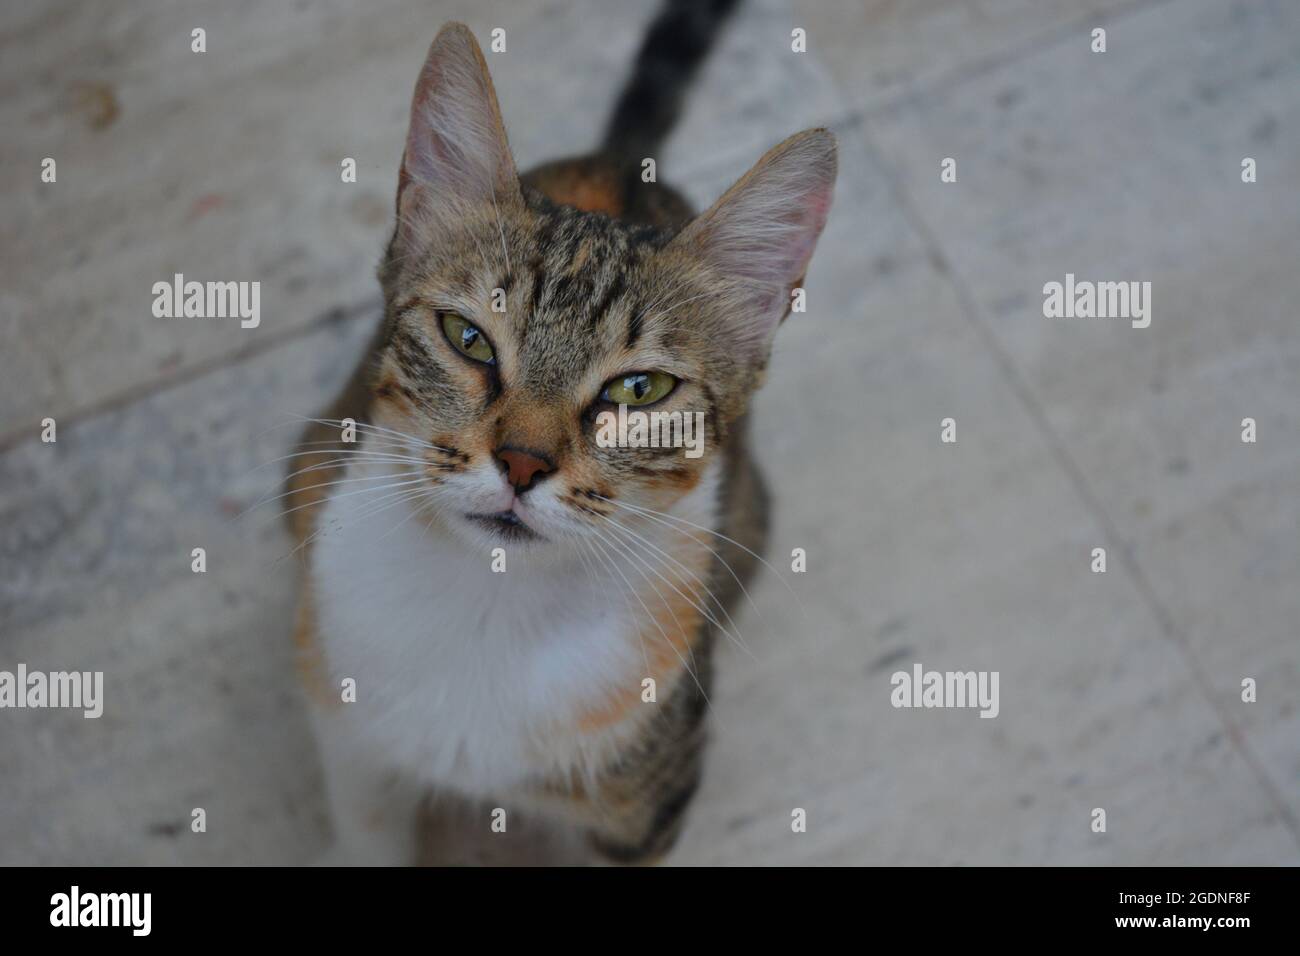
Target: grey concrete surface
1119 691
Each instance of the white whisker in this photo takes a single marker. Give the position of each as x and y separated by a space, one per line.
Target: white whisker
670 644
349 494
734 637
325 484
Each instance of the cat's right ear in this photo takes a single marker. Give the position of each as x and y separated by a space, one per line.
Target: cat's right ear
761 234
456 150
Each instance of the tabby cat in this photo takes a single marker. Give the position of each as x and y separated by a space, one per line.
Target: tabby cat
517 308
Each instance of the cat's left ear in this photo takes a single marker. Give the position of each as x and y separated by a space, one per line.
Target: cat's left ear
456 149
761 234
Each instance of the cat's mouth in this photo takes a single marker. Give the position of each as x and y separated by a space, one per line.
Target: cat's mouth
507 524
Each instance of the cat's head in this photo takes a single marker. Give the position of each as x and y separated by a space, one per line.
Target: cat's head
513 323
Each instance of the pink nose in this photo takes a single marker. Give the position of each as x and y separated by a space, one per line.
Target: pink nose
522 469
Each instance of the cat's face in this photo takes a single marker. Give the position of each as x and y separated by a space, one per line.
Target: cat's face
507 367
516 327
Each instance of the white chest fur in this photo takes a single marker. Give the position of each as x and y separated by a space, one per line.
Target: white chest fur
465 677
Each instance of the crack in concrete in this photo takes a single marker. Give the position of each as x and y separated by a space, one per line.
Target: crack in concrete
1164 618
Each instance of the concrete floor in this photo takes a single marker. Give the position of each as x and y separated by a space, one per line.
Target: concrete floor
1118 690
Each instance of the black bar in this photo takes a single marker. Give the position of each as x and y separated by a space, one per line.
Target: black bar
480 905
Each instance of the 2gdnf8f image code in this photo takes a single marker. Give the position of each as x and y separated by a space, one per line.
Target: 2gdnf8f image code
1191 896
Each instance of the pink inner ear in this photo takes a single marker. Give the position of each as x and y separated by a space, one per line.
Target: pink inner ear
821 206
456 147
765 228
773 250
761 234
447 106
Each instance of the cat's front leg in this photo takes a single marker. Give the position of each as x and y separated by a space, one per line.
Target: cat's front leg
637 824
373 807
635 808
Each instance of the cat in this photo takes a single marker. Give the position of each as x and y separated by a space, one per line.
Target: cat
517 308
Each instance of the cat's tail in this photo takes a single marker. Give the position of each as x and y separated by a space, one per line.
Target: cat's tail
674 47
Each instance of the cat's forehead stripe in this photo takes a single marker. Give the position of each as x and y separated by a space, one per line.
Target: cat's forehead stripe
614 289
579 265
635 325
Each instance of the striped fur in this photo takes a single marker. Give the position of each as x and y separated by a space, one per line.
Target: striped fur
601 275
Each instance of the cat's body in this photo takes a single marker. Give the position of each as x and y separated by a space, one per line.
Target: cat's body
527 688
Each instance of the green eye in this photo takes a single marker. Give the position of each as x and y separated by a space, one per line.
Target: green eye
639 388
466 338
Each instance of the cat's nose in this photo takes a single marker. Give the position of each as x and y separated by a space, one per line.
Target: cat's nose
523 469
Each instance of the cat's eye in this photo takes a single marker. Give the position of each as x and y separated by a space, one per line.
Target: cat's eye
467 338
639 388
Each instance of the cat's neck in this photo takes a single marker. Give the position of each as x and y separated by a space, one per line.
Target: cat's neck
440 640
